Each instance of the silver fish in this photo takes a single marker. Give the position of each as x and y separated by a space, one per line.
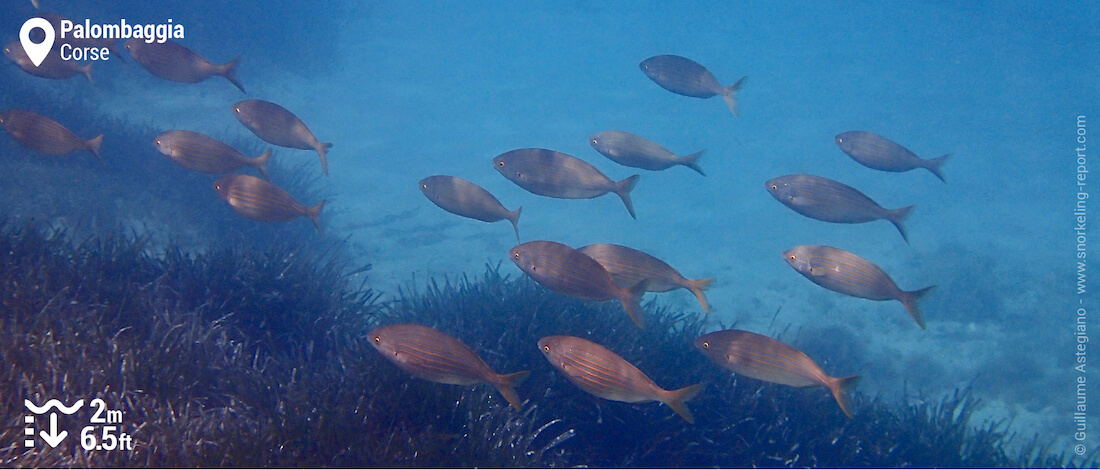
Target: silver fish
832 201
52 67
259 200
554 174
202 153
568 271
431 355
844 272
628 267
173 62
461 197
634 151
277 126
874 151
762 358
44 135
686 77
600 372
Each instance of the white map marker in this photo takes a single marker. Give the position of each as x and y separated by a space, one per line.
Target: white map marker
36 52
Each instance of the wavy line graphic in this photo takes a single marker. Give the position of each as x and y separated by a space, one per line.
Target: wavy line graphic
52 404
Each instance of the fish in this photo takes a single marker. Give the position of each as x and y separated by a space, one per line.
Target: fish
111 44
846 273
259 200
461 197
832 201
762 358
628 267
568 271
44 135
600 372
277 126
176 63
634 151
874 151
431 355
52 67
555 174
205 154
686 77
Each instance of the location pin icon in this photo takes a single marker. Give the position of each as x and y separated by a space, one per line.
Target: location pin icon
37 52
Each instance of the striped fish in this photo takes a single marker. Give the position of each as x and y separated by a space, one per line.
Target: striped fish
53 67
600 372
256 199
277 126
831 201
638 152
874 151
844 272
461 197
567 271
762 358
686 77
44 135
431 355
554 174
628 267
202 153
173 62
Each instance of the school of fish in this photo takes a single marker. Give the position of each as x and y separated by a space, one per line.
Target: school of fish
597 272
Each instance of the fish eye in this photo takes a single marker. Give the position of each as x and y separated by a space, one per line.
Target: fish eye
515 255
500 163
237 109
594 141
775 186
546 348
706 344
839 140
793 257
377 339
423 185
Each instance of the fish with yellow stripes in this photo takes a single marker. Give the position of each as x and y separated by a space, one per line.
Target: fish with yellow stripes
568 271
431 355
44 135
628 267
278 126
464 198
600 372
555 174
205 154
849 274
762 358
832 201
259 200
53 67
174 62
635 151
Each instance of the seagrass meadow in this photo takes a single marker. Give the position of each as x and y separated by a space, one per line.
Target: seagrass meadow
255 355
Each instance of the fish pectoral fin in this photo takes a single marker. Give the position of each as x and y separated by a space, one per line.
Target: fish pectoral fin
817 271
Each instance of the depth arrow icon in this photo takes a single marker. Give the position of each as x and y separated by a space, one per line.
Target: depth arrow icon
53 438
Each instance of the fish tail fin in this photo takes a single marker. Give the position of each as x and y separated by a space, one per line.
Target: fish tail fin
117 50
623 189
35 3
229 71
260 164
506 385
697 288
934 165
631 300
692 161
314 214
841 389
513 217
676 399
911 301
730 95
93 146
322 152
897 217
87 71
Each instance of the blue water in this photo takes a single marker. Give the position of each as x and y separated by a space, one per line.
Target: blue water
406 90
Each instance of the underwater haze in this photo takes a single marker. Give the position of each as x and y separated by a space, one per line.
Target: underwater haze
408 90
